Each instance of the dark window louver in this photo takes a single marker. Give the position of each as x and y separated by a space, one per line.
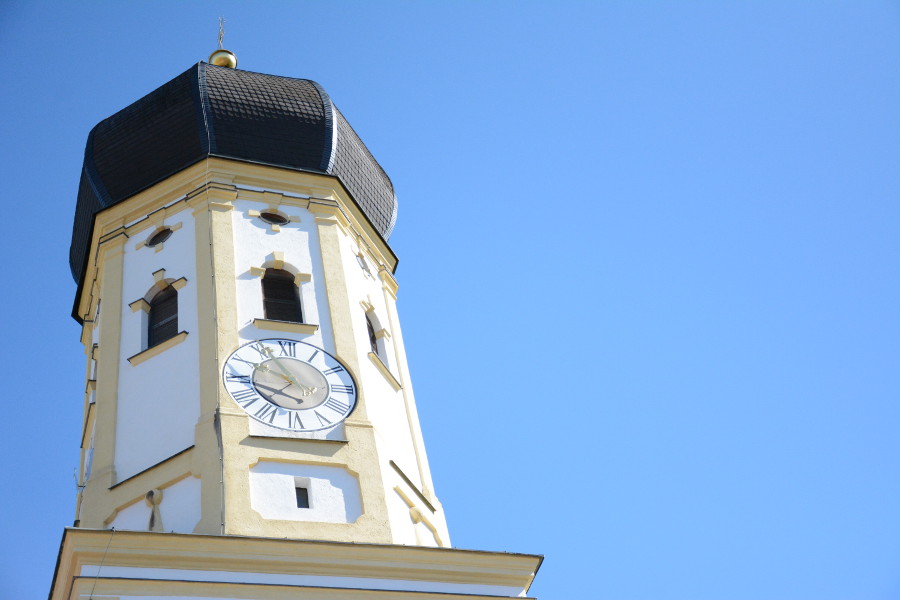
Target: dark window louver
281 298
163 321
373 341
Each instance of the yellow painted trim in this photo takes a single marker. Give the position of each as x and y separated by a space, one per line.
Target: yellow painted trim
382 368
417 517
180 472
156 550
383 334
143 243
90 417
140 304
212 208
389 283
157 349
110 271
159 284
319 192
290 326
261 271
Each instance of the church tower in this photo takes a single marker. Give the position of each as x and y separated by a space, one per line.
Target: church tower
250 429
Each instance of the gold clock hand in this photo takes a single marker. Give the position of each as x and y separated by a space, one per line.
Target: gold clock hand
265 368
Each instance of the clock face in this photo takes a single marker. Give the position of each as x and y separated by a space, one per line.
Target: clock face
290 384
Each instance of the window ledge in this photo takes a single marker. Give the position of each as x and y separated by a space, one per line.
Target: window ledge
376 360
157 349
286 326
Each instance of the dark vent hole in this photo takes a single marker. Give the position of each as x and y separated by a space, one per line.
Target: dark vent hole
159 237
302 497
273 218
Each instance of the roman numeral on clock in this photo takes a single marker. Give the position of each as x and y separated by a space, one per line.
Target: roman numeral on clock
337 369
294 421
263 351
322 420
267 411
239 378
288 349
342 389
244 397
337 406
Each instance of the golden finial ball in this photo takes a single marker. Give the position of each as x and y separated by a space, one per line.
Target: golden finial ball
223 58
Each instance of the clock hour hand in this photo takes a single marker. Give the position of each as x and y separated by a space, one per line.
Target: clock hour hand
280 391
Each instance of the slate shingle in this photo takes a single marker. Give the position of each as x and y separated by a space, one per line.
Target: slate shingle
216 111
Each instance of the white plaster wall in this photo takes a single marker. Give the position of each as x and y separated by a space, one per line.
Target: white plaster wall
135 517
158 403
254 243
385 406
402 530
180 506
333 493
179 509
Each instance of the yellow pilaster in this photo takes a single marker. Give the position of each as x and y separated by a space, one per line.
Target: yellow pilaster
217 330
110 259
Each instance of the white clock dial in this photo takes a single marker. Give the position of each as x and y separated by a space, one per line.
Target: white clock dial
289 384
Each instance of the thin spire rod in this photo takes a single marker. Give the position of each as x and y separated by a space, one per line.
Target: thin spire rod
223 57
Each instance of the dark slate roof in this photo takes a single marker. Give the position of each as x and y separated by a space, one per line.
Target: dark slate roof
216 111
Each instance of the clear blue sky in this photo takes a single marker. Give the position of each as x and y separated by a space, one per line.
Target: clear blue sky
648 266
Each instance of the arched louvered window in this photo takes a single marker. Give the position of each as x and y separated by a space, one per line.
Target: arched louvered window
163 319
281 297
373 339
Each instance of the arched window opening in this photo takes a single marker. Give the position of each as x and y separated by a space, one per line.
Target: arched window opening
159 237
163 318
281 297
273 218
373 339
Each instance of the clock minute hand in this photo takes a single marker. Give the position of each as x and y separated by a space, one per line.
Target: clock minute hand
262 367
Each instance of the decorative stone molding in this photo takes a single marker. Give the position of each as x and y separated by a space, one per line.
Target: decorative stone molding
382 368
288 326
174 227
140 304
160 283
157 349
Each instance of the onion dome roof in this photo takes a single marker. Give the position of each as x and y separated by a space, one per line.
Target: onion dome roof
218 111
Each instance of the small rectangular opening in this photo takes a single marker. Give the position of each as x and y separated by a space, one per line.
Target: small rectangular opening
302 497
